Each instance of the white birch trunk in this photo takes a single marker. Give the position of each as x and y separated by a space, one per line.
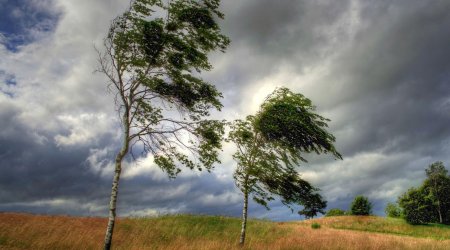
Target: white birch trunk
115 184
244 211
244 219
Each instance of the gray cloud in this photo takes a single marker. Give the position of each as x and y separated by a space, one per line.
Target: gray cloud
378 69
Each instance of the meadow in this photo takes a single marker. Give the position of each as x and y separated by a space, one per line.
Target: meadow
26 231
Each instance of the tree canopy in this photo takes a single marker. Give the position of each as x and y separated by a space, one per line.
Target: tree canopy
393 210
335 212
430 202
417 207
361 206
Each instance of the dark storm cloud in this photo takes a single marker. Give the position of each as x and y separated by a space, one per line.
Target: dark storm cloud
34 168
282 30
399 76
267 35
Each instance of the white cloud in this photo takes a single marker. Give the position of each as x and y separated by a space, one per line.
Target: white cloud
222 199
84 129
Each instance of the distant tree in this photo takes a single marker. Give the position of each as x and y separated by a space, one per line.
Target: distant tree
361 206
269 147
149 61
429 203
393 210
312 206
417 206
437 186
335 212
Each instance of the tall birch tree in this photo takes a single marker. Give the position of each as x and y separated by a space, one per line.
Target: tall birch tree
153 56
270 145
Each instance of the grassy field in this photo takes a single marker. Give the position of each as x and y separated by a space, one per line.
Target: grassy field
386 225
25 231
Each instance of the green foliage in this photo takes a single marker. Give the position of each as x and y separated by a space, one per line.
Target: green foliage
393 210
361 206
335 212
436 169
417 207
429 203
315 225
267 160
149 61
288 119
312 205
437 188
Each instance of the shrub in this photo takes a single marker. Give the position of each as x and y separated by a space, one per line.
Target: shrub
393 210
361 206
335 212
315 225
417 207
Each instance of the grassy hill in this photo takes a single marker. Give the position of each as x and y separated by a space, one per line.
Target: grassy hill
25 231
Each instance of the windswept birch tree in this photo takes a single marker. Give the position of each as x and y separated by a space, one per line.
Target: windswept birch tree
153 56
270 145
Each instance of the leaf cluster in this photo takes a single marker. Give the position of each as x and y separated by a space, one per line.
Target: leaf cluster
417 207
361 206
393 210
335 212
422 205
288 119
154 54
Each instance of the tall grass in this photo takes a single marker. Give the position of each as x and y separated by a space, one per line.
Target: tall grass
388 225
24 231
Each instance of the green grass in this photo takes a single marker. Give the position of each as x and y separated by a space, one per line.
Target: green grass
168 228
3 241
390 226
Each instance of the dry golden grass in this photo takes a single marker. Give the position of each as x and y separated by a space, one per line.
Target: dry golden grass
385 225
24 231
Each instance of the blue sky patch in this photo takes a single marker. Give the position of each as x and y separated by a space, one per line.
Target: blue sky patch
22 21
7 82
11 80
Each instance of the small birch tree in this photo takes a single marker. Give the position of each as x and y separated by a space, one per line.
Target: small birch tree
270 145
153 55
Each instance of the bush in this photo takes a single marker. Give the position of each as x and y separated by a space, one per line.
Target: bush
417 207
335 212
315 225
430 202
393 210
361 206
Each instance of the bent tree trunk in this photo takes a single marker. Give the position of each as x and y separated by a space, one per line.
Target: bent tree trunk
115 185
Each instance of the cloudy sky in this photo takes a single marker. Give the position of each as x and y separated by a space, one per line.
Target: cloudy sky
380 70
